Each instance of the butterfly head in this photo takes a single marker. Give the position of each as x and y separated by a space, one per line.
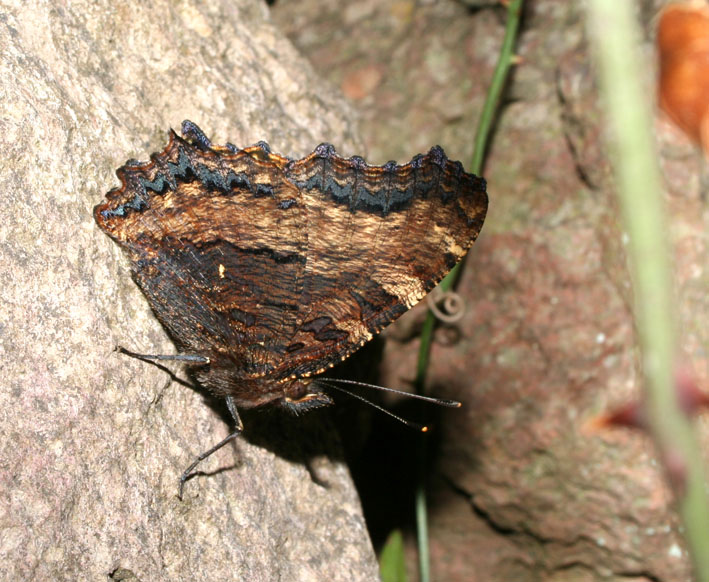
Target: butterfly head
304 394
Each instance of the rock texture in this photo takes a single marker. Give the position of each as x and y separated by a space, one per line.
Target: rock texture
521 491
92 443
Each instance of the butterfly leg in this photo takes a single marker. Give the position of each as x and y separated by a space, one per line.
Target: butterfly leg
238 429
238 425
163 357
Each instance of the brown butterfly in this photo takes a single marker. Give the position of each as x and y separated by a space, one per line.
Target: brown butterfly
266 271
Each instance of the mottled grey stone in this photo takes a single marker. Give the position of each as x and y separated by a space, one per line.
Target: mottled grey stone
92 443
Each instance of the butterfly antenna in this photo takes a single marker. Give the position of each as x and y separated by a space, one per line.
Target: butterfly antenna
432 400
410 423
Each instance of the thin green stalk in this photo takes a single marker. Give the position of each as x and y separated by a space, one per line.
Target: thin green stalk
615 36
487 117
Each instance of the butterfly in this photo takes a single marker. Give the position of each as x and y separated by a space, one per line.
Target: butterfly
266 271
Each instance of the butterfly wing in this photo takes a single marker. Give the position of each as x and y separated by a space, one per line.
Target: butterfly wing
379 239
216 244
277 269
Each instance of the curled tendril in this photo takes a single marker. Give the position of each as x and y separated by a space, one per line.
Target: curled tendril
446 306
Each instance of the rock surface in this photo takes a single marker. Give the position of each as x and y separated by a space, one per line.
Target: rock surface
92 442
521 491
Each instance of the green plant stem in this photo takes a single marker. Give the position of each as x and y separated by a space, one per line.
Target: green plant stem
615 37
487 117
